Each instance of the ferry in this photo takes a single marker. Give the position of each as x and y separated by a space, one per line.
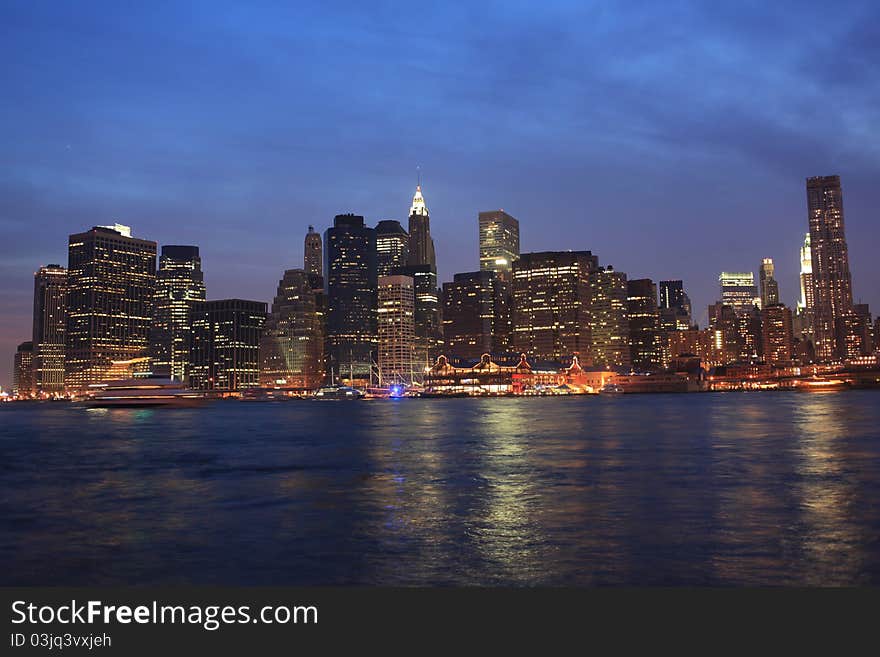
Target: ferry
335 392
145 391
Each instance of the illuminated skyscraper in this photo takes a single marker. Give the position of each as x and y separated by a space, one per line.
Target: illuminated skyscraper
803 319
313 258
179 286
50 327
292 345
397 337
351 281
551 301
769 286
111 286
777 334
738 290
226 344
427 310
499 242
474 319
645 346
23 371
609 323
392 246
832 283
421 245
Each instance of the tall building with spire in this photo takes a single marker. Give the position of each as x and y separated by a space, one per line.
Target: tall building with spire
832 282
421 246
313 256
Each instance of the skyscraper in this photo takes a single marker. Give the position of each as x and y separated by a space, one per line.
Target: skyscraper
111 285
427 310
392 246
609 323
472 320
551 299
738 290
832 283
313 258
777 334
675 306
421 245
50 327
645 348
768 286
499 242
292 346
23 371
226 344
351 282
179 287
803 320
397 337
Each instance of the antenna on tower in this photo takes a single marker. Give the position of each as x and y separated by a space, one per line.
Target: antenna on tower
419 175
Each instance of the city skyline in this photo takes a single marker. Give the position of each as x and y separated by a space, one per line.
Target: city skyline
244 180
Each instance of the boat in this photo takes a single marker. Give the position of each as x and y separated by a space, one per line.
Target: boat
336 392
144 391
611 388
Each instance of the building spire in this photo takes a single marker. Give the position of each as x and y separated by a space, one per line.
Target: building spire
418 203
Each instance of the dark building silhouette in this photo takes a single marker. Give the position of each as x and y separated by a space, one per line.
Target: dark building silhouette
313 257
49 330
551 298
392 246
832 282
226 344
292 348
111 285
351 290
475 315
23 371
180 287
645 346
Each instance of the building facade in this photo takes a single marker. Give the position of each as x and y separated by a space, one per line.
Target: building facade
292 343
738 290
23 371
499 243
226 344
392 246
609 321
777 334
769 288
397 336
49 330
313 256
475 321
551 304
645 346
111 286
180 286
832 282
351 292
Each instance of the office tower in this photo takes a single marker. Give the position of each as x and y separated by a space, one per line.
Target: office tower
672 295
50 327
738 290
644 324
609 323
180 286
392 246
769 288
777 334
396 326
724 321
428 323
421 246
351 280
832 283
551 298
499 242
23 371
803 319
292 345
226 344
854 329
313 257
111 283
475 315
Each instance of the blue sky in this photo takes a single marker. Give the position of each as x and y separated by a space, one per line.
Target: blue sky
672 139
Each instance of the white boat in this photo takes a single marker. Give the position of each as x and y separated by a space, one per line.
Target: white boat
145 391
612 389
338 392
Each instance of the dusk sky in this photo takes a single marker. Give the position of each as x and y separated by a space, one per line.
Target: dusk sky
672 139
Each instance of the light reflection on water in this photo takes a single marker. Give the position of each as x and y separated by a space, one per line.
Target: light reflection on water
733 488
